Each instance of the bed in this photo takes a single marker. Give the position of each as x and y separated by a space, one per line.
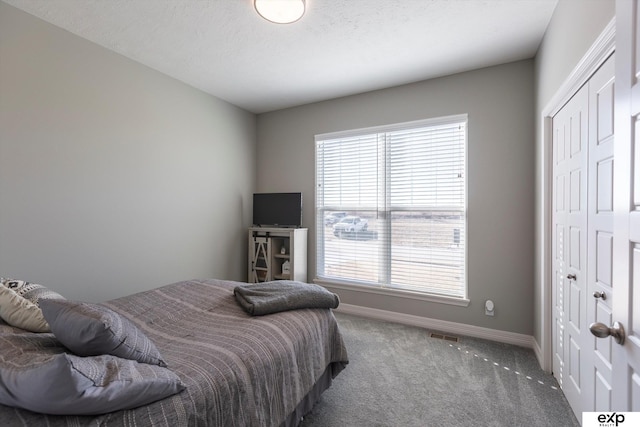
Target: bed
232 368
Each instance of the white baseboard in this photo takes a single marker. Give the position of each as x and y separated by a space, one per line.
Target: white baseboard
442 326
538 351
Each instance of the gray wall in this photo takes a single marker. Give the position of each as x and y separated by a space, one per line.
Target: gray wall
499 102
114 178
574 27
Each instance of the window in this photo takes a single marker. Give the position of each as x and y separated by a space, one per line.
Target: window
391 207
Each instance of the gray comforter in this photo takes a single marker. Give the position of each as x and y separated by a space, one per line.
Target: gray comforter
238 370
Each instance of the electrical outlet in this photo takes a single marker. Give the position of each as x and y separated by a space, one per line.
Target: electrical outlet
489 308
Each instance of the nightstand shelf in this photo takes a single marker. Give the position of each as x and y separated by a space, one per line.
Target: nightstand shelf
270 248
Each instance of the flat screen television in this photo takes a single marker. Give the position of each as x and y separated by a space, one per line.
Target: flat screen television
277 209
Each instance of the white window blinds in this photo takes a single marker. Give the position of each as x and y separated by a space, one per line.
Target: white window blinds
391 207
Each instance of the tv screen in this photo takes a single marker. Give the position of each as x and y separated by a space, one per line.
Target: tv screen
277 209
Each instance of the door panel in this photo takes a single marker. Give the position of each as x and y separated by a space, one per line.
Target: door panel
603 393
604 182
560 194
576 186
574 246
576 306
604 259
636 175
635 393
574 365
603 347
636 287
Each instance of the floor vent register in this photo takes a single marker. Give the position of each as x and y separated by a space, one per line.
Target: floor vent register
443 337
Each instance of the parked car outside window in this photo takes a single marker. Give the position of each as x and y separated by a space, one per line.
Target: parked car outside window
333 217
350 224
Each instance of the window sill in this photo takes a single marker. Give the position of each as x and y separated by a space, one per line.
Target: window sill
442 299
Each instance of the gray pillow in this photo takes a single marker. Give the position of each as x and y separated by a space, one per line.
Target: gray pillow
64 384
91 329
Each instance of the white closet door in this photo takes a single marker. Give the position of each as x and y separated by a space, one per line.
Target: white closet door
600 235
600 374
569 251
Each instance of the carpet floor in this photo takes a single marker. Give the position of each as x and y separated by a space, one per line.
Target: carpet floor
400 376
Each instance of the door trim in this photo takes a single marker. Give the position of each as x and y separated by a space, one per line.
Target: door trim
597 54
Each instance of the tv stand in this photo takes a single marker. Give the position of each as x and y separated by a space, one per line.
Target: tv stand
271 247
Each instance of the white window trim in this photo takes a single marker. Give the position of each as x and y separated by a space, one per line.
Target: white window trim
387 291
402 293
393 127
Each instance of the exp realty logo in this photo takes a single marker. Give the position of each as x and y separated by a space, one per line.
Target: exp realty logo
610 419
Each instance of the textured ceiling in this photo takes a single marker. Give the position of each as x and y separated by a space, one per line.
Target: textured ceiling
338 48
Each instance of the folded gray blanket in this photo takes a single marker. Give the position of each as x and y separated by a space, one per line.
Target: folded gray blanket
258 299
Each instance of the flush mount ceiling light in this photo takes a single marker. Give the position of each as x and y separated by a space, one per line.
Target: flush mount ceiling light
280 11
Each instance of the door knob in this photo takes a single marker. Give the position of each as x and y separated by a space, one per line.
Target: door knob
571 276
601 295
601 330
